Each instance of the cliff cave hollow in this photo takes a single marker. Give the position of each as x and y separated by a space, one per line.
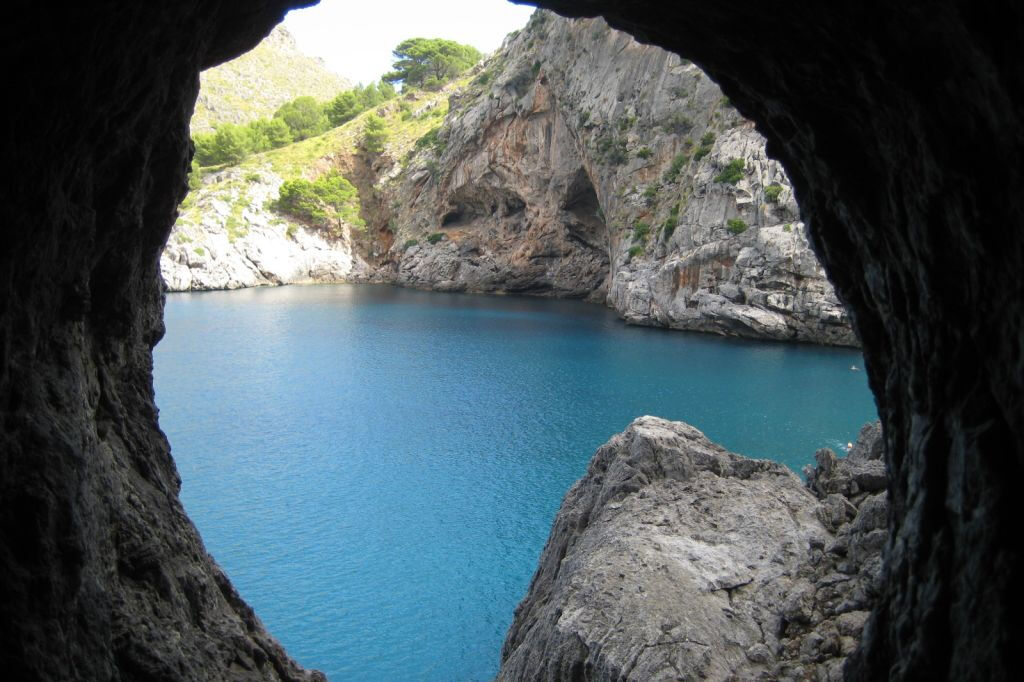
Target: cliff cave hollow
897 125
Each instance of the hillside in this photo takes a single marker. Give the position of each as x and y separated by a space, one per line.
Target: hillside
257 83
575 162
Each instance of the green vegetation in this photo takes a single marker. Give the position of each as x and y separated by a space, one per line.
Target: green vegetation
669 226
435 237
635 250
678 124
375 134
584 118
641 231
772 192
430 140
409 243
651 191
304 116
612 150
736 225
535 69
626 122
253 177
195 176
706 143
321 201
672 174
732 173
349 104
788 227
200 251
430 62
644 153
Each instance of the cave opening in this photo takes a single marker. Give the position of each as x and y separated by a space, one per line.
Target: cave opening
919 156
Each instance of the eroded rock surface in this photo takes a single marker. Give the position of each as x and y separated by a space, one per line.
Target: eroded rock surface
582 163
675 559
228 237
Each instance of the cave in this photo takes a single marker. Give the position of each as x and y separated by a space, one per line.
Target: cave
896 123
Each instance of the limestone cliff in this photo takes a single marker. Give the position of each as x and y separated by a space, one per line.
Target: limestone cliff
228 237
674 559
581 163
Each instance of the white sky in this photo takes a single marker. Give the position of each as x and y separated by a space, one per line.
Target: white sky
355 37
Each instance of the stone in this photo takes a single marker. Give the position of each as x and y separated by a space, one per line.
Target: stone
721 550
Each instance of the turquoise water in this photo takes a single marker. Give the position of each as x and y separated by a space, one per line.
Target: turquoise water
377 469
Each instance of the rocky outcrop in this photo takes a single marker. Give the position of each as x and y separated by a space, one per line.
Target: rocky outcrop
228 237
581 163
675 559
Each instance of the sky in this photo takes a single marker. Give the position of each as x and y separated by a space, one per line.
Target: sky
355 37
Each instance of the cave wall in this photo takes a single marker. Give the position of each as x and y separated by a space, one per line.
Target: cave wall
102 575
896 124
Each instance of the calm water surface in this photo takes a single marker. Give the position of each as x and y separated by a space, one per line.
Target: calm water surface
377 469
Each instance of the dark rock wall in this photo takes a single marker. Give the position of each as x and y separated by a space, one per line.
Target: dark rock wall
896 123
898 128
102 575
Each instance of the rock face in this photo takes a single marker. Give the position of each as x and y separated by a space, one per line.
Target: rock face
227 237
258 82
102 575
580 163
901 135
674 559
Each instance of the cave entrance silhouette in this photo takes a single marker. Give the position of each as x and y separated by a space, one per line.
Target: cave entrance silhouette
897 125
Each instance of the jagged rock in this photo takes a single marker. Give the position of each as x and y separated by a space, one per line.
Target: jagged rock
549 167
675 559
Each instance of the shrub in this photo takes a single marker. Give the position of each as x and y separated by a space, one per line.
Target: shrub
788 227
706 143
483 79
626 122
708 139
672 174
651 191
329 196
409 243
195 176
635 250
668 228
678 124
736 225
613 150
304 116
375 134
644 153
430 140
200 251
641 231
732 173
535 69
772 192
253 177
435 237
584 118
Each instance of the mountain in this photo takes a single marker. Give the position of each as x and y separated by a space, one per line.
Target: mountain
257 83
575 162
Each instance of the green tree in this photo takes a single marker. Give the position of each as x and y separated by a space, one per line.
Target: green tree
269 133
343 108
229 143
304 116
434 60
375 134
322 200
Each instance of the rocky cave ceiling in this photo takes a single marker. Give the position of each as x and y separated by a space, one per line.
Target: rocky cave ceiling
898 125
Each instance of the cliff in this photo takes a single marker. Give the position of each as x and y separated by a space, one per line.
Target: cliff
257 83
581 163
675 559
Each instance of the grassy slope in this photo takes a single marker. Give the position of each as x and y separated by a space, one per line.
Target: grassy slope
258 82
302 159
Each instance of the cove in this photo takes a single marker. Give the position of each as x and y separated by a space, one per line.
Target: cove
377 468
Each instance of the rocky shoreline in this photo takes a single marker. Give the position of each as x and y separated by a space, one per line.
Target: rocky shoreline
675 559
